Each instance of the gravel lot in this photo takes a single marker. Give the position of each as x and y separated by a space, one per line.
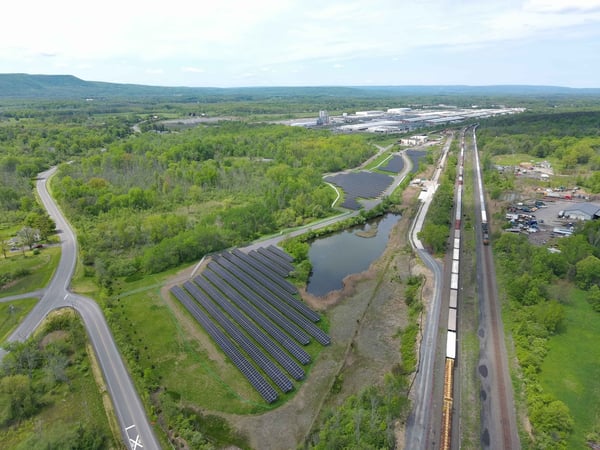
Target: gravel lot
549 216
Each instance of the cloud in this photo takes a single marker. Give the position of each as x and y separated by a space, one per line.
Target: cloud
273 38
561 6
192 69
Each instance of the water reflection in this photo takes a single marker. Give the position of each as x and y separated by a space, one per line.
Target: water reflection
351 251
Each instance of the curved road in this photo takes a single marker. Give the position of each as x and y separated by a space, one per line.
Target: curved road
135 428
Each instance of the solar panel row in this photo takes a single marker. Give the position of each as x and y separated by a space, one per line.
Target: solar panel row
243 261
245 305
275 257
240 338
240 361
277 251
261 266
250 327
249 276
273 267
264 307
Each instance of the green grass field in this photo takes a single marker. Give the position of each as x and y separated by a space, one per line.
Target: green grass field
165 344
41 268
571 369
11 314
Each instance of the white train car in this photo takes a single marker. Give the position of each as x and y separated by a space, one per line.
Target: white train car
451 319
456 242
451 345
454 281
457 234
453 298
455 254
455 263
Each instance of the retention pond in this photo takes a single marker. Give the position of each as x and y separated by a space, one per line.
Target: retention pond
347 252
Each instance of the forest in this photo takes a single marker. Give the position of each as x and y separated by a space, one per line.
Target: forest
147 202
570 140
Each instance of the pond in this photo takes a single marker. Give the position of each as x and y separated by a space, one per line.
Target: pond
347 252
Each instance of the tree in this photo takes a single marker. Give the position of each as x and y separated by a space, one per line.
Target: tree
594 297
19 398
28 236
41 222
4 247
588 272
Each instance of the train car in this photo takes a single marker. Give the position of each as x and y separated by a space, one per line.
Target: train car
455 263
456 242
454 281
453 298
455 254
451 345
485 231
456 234
451 319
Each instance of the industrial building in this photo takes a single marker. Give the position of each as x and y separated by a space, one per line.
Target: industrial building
583 211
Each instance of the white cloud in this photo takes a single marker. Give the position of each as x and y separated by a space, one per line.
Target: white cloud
227 38
193 69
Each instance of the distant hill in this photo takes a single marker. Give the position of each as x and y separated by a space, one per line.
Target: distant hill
19 85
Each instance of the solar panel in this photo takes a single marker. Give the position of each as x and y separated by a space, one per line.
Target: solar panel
234 332
254 377
250 327
240 285
276 302
227 283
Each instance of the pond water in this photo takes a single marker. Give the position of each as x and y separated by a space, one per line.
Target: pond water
335 256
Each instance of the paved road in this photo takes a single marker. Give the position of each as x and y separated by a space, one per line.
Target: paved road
135 428
419 422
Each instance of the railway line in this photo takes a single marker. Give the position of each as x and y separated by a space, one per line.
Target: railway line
498 417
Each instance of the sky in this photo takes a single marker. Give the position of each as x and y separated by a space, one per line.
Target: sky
234 43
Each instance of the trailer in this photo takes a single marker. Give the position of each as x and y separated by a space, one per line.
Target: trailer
451 345
453 298
454 281
455 264
451 319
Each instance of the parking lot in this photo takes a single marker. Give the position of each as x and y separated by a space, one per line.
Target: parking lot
547 218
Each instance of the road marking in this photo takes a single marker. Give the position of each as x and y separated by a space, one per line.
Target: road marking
134 443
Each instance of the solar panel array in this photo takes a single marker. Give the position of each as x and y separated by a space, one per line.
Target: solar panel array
395 164
256 379
360 185
416 156
246 305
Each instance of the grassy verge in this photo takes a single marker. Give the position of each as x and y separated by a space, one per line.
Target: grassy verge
160 342
35 270
11 314
571 370
64 407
